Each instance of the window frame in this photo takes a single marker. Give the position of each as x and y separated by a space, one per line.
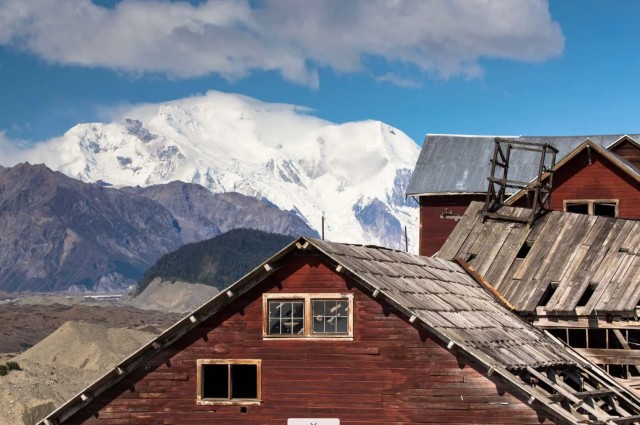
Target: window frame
591 205
307 298
228 401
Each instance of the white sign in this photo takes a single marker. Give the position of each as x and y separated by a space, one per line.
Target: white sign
311 421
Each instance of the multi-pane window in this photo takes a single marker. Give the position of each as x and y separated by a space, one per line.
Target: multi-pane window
601 207
330 316
308 315
286 317
228 381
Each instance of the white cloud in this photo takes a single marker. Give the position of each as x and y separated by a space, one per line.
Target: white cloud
441 38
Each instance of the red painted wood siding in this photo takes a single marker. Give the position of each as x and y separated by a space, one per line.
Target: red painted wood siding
435 230
600 180
391 373
628 151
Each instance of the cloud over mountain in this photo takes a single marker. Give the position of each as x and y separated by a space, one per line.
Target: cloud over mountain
440 38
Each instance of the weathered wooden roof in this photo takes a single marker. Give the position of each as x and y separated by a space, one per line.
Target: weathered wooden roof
443 296
569 252
439 296
460 164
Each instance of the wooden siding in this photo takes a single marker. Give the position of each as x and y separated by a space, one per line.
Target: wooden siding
435 230
392 373
600 180
628 151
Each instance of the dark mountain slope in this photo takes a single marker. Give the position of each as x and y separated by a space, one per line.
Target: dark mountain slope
57 232
202 214
216 262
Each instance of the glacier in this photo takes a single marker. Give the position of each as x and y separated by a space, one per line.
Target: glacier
354 174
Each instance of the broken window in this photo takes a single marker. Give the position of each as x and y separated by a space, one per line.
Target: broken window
228 381
599 207
577 207
286 317
308 315
330 316
604 209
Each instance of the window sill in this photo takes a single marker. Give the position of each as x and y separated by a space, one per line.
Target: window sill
213 402
307 338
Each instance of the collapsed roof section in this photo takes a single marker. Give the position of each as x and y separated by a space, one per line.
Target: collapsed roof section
555 264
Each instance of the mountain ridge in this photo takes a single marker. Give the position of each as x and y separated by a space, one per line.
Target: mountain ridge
58 233
274 152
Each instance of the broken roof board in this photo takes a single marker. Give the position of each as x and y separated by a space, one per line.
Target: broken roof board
444 299
571 251
461 164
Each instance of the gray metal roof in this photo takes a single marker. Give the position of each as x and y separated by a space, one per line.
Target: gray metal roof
574 251
460 164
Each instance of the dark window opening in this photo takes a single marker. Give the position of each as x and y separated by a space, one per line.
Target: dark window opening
548 293
586 295
229 381
597 338
578 338
561 334
215 381
604 209
634 338
578 208
244 379
524 250
618 370
614 342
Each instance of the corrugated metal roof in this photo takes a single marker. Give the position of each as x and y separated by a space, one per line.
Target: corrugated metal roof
569 251
460 164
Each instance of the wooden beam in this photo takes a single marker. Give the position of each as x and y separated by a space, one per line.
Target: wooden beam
483 282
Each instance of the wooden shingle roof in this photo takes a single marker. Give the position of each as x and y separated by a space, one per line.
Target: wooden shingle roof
568 253
443 296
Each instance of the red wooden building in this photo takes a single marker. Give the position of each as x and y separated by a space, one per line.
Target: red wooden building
452 171
361 334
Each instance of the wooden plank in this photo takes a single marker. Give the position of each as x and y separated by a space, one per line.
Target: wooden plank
453 245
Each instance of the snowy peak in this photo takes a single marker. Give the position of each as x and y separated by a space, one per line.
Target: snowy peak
353 173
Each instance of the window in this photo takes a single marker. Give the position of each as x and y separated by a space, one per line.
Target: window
308 316
600 207
229 381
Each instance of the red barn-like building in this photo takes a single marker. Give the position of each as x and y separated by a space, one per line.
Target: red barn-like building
599 175
362 334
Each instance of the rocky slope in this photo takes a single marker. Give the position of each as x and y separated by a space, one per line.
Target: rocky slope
58 233
354 174
202 214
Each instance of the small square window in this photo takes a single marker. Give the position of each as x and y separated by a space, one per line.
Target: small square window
330 316
308 315
228 381
286 317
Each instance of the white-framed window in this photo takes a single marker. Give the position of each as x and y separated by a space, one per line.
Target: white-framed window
229 381
308 315
600 207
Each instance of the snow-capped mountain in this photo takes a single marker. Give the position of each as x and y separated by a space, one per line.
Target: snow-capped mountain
354 174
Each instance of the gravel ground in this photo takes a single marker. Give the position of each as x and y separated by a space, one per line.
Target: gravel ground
61 365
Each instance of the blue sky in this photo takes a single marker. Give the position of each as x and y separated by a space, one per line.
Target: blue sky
525 67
